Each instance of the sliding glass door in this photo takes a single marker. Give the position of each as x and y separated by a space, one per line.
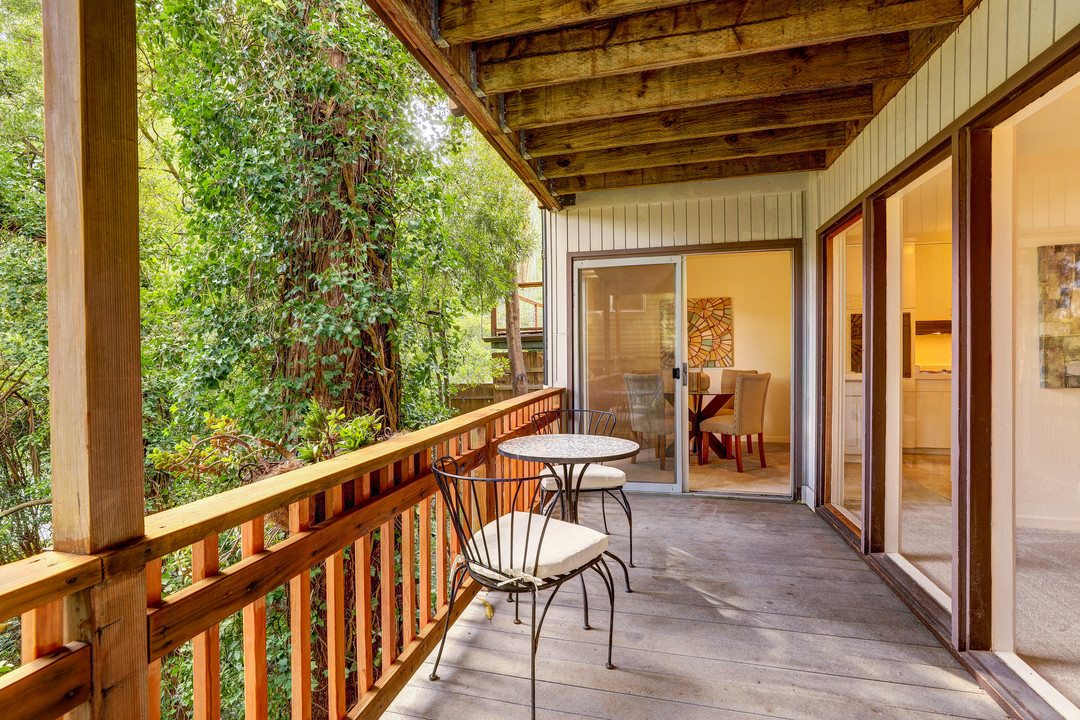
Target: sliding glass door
630 345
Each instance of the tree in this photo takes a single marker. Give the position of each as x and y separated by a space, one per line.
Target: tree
491 222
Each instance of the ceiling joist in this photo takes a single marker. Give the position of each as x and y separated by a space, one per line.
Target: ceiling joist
852 62
742 167
698 150
691 34
784 111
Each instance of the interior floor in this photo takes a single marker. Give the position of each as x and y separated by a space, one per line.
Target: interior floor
720 475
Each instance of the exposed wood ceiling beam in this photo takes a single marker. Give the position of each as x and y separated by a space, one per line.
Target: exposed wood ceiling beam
462 21
848 63
742 167
709 120
698 150
450 70
689 34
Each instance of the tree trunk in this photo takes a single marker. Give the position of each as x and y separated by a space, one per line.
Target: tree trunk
358 372
519 378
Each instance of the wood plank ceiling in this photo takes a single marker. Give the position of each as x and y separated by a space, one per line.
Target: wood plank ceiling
582 95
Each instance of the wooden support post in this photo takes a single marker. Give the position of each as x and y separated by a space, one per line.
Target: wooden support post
92 226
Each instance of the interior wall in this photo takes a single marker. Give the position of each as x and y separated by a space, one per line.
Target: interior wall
759 285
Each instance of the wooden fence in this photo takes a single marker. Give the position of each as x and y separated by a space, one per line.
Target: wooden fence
370 491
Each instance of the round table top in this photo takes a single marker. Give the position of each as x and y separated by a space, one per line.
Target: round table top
567 449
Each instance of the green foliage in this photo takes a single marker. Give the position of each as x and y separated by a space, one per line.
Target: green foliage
326 433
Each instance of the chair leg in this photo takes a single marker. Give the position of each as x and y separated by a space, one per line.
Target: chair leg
703 451
534 639
455 585
637 439
585 602
603 510
663 451
609 583
626 573
749 443
738 454
656 448
761 448
630 522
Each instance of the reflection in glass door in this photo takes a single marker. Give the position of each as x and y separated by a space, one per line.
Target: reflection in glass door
629 342
845 355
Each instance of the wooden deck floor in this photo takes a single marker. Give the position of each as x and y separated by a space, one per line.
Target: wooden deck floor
739 610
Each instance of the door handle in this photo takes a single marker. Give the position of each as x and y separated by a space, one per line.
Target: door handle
675 373
685 375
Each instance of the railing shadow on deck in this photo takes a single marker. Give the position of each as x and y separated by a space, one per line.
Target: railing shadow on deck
365 492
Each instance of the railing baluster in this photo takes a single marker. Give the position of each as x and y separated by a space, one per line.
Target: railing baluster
335 616
441 565
153 599
42 630
408 577
206 682
365 665
387 594
252 542
425 562
300 621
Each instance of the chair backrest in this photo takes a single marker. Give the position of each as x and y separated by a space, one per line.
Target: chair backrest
645 394
580 422
750 391
489 548
729 377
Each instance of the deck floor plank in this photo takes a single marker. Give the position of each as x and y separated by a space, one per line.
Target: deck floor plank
729 619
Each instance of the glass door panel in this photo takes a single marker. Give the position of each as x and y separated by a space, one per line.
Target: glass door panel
846 371
629 342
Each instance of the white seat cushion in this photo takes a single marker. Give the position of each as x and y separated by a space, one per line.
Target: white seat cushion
566 546
597 477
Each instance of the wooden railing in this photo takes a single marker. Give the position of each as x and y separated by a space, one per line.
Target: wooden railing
385 490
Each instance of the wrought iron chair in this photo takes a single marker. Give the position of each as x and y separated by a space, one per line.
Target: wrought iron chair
603 479
513 551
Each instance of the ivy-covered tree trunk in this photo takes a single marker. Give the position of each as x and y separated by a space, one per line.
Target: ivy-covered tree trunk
519 378
343 241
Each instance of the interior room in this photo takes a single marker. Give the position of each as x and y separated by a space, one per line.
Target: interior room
1036 255
739 309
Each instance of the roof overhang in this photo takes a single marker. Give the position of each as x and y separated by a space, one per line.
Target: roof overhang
584 96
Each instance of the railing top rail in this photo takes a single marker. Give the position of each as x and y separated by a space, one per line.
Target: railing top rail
38 580
176 528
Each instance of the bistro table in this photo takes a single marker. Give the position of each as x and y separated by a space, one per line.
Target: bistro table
567 452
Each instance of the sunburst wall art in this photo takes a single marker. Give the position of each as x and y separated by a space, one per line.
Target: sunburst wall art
711 334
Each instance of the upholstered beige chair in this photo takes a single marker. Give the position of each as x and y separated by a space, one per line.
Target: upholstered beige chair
727 385
747 418
649 412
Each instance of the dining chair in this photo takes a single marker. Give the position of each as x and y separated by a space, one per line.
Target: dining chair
648 411
506 550
604 479
747 418
727 386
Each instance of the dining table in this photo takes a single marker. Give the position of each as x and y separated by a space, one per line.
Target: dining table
699 411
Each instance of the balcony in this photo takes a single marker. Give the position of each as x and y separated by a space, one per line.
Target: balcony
739 610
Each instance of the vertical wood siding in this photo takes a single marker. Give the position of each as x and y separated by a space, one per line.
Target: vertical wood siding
999 38
670 224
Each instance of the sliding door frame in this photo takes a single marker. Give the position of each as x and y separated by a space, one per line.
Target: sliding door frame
966 631
798 328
